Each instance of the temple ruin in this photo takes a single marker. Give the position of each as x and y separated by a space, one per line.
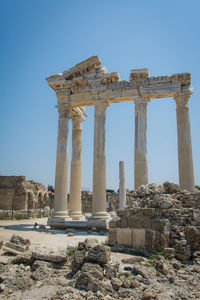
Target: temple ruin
89 83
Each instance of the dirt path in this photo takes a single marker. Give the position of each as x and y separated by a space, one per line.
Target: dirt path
53 239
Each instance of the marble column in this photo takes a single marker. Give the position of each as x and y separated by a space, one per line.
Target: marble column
140 155
61 179
75 208
185 160
99 163
122 185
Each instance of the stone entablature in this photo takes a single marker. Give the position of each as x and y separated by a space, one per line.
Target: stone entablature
18 194
88 82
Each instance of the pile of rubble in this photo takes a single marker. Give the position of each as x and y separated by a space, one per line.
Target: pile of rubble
95 273
161 218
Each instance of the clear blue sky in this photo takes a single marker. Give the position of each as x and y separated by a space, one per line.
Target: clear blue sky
42 37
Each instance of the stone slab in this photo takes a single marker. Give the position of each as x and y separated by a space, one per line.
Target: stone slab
124 236
138 238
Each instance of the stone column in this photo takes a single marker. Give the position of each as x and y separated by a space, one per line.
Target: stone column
99 163
122 185
140 159
60 201
185 160
75 181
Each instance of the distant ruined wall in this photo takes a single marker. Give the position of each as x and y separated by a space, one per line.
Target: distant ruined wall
18 194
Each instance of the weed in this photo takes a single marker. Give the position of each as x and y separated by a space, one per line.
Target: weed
71 251
18 217
4 218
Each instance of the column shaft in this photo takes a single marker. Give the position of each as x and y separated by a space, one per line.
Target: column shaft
185 160
75 206
122 185
99 163
60 201
140 157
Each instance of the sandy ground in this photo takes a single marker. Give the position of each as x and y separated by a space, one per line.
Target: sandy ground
50 239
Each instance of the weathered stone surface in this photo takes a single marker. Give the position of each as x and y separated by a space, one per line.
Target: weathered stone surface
112 238
16 245
79 259
99 254
93 269
50 257
41 270
139 270
116 283
88 282
149 294
163 296
25 259
124 236
161 217
16 239
164 267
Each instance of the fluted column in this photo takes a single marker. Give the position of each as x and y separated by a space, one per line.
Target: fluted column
61 180
99 163
75 208
122 185
140 156
185 160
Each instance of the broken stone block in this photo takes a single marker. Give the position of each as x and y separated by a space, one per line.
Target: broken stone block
99 254
17 247
50 257
16 239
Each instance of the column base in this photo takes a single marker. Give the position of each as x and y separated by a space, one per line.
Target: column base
76 215
99 220
58 218
100 215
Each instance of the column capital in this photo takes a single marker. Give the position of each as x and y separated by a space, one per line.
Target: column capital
182 99
101 105
140 105
63 110
77 122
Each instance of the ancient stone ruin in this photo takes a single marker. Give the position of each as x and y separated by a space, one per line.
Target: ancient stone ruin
89 83
161 218
18 194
